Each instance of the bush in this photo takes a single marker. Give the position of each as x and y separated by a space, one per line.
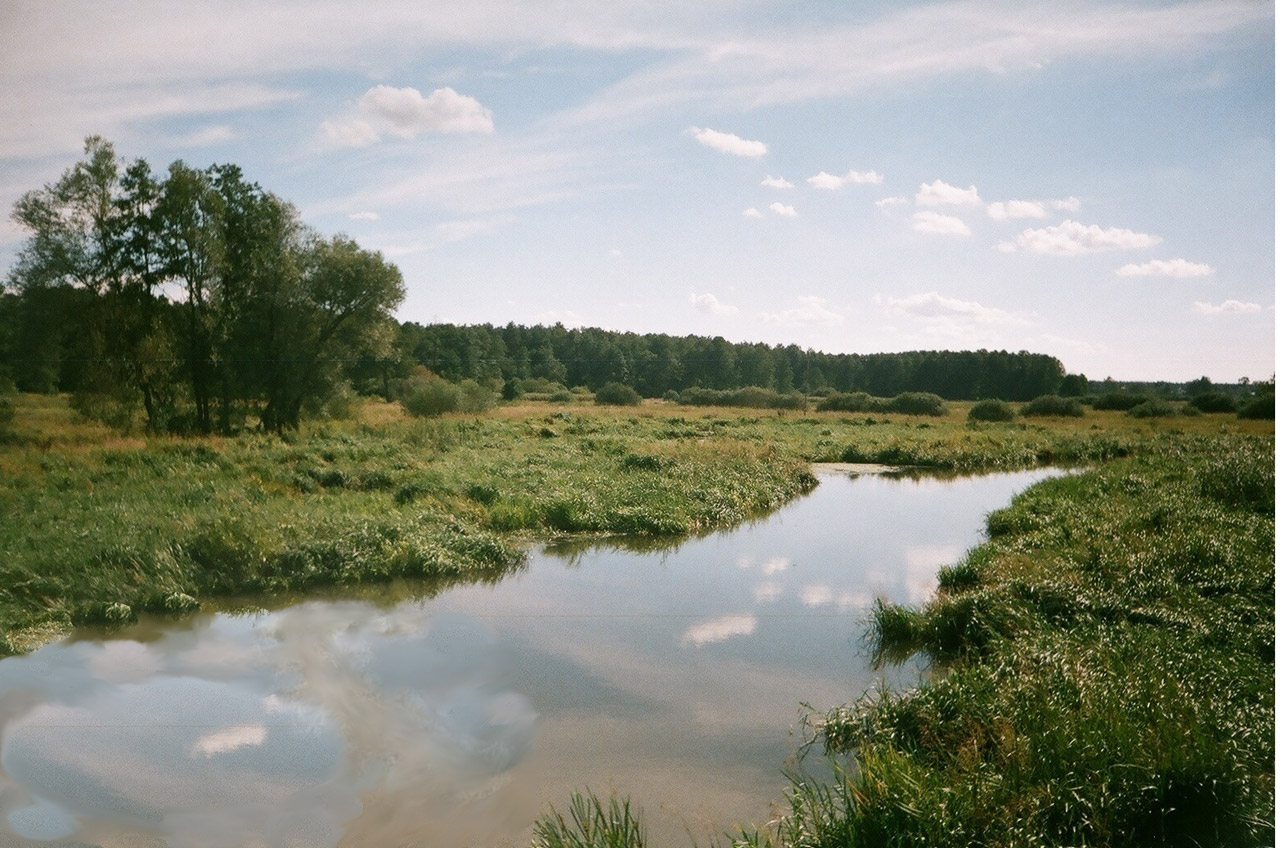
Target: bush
616 394
917 403
1262 407
991 410
6 412
1053 405
1121 401
1153 409
473 397
1213 402
855 402
427 397
562 396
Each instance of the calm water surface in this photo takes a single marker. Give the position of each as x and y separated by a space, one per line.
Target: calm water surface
674 676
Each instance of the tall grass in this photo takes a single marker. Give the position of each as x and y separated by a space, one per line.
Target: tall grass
590 824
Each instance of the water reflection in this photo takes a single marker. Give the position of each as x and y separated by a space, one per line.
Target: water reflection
451 715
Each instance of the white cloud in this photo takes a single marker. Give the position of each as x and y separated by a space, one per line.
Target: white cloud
406 113
931 306
939 224
1069 204
939 193
752 212
1071 238
729 143
784 209
206 136
1165 268
710 304
817 596
775 565
230 739
1007 209
825 181
777 182
766 592
719 629
886 202
352 133
1227 307
810 312
831 182
365 216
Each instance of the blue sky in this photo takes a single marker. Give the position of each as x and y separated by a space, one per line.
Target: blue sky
1090 180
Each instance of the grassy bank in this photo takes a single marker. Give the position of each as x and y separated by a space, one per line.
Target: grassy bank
1105 672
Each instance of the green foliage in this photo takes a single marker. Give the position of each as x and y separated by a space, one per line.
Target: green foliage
917 403
617 394
1262 407
1213 402
473 397
1121 401
429 397
1052 405
991 410
590 824
750 397
1153 408
851 402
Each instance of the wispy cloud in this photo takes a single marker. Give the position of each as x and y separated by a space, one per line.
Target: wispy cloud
1165 268
752 212
808 312
728 142
719 629
711 305
931 306
938 193
1071 238
777 182
1006 209
936 223
1227 307
831 182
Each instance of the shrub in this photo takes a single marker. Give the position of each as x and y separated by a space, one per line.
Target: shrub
917 403
1213 402
562 396
427 397
6 411
1153 409
473 397
855 402
1122 401
1263 407
1053 405
616 394
991 410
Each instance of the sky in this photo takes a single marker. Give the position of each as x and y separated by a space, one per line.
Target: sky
1091 180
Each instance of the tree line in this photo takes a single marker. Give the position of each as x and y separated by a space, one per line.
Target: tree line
197 301
195 298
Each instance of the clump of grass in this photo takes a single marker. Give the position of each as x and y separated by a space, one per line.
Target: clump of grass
991 409
591 823
1052 405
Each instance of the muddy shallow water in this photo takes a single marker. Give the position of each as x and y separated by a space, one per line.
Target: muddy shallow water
453 716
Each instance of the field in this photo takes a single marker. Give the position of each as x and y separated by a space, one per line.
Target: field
1104 664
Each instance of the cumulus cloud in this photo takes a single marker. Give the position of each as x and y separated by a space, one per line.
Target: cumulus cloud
1007 209
1071 238
939 224
406 113
784 209
831 182
886 202
931 306
729 143
711 305
939 193
777 182
809 312
775 565
719 629
752 212
1165 268
1227 307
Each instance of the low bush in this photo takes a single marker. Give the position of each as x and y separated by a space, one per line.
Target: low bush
851 402
1213 402
1262 407
1153 409
1052 405
751 397
917 403
473 397
991 410
1119 401
617 394
427 397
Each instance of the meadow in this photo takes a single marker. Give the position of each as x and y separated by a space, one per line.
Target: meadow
1103 666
